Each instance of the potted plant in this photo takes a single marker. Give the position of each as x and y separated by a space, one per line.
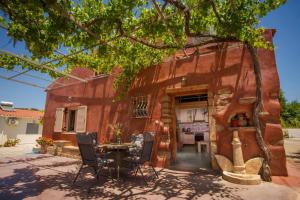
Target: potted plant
234 121
117 131
44 143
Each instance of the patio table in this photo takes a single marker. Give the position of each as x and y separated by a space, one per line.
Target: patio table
117 147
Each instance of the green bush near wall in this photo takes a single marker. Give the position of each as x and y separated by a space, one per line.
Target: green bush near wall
290 112
11 142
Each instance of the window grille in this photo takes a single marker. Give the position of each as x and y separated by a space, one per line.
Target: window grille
32 128
139 106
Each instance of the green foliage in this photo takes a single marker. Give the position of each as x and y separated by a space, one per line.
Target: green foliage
11 142
44 141
290 113
130 34
117 129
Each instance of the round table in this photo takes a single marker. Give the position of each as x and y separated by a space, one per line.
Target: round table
117 147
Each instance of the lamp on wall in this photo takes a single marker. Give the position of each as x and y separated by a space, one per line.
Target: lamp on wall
69 98
161 124
183 81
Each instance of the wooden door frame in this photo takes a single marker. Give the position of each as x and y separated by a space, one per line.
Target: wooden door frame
191 90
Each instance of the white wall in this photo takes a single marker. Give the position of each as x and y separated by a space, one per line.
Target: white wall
18 131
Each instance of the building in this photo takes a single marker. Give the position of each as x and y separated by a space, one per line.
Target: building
24 124
194 96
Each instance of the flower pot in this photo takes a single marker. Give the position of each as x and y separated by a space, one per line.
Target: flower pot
119 141
234 123
43 149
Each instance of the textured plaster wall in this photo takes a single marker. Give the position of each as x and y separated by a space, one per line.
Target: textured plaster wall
18 131
228 72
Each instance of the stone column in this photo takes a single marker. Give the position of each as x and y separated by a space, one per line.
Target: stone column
238 160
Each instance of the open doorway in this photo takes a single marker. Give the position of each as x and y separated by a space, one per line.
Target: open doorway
192 133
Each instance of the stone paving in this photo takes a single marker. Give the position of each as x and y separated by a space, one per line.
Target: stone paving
292 149
50 177
18 150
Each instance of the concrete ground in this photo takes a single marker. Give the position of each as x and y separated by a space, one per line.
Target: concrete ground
24 175
18 150
50 177
292 149
293 132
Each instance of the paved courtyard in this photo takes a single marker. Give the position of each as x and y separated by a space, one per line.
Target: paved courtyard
50 177
18 150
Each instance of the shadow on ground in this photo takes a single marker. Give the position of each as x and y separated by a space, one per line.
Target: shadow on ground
37 177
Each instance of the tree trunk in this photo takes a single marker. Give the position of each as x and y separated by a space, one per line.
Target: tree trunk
258 107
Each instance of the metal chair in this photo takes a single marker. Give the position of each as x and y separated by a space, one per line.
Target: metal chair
137 140
89 155
144 157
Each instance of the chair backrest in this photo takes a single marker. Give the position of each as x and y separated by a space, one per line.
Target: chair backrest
86 148
94 137
138 140
147 147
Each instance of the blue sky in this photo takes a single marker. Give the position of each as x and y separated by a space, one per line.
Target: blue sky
286 20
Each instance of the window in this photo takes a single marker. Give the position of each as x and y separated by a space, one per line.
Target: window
70 119
139 107
71 116
32 128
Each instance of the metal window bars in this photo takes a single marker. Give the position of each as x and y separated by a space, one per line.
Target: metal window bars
139 106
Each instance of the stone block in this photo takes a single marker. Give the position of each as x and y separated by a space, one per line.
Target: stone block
166 115
61 143
166 105
166 111
273 133
219 128
224 96
165 120
224 91
166 99
52 150
164 145
253 165
224 163
278 161
222 102
243 179
247 100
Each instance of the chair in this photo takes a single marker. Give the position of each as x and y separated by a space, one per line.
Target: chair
101 154
145 156
137 140
89 155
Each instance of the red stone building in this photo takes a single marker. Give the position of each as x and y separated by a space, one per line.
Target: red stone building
217 81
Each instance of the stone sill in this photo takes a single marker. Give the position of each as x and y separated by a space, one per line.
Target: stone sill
69 133
245 128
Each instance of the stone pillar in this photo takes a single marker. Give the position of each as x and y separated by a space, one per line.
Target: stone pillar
238 160
212 131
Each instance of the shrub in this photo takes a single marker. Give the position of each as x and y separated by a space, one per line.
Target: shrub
11 142
44 141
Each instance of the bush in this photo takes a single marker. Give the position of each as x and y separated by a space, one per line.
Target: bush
290 113
44 141
11 142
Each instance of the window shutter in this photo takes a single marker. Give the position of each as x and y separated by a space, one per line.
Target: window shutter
81 119
59 120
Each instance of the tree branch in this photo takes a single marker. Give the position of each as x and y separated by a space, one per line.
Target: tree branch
149 44
158 9
266 171
212 2
187 15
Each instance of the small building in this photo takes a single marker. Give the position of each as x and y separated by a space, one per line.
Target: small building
21 123
192 101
